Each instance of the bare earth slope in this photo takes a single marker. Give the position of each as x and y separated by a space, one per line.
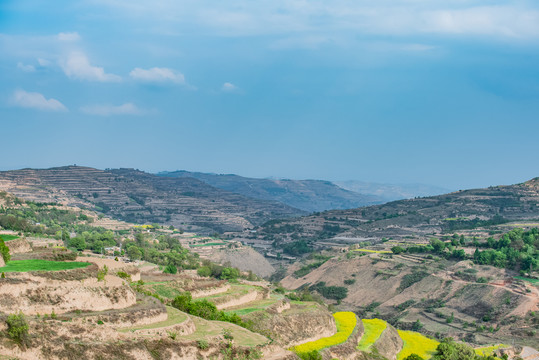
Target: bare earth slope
308 195
136 196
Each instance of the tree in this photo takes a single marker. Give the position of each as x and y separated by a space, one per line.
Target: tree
134 253
451 350
397 249
183 301
438 245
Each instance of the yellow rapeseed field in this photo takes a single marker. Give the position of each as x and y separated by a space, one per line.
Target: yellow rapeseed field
373 330
416 343
488 350
373 251
346 323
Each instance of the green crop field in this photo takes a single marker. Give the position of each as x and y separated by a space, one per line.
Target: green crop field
416 343
346 323
533 281
8 237
41 265
373 329
208 244
253 306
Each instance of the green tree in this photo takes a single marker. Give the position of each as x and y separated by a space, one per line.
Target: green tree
134 253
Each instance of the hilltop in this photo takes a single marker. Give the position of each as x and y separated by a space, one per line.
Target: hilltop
136 196
308 195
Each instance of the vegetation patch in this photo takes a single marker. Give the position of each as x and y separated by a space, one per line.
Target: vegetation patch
533 281
346 322
208 244
416 343
373 251
489 350
373 329
41 265
9 237
308 268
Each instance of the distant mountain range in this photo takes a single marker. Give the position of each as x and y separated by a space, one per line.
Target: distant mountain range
391 192
204 202
307 195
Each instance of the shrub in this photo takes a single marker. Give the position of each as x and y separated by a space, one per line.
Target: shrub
4 250
17 328
124 275
413 357
312 355
227 334
102 273
202 344
170 269
349 281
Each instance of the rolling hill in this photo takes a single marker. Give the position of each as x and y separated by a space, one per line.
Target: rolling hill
420 217
136 196
307 195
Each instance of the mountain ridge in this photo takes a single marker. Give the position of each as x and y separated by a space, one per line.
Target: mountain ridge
308 195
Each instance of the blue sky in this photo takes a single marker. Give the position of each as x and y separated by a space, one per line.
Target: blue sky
401 91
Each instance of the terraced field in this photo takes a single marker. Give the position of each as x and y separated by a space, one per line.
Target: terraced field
174 317
41 265
413 342
346 323
208 329
373 329
373 251
416 343
258 305
8 237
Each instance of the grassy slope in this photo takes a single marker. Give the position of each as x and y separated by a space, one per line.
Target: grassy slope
41 265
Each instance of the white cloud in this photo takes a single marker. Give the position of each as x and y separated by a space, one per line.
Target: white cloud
36 100
69 36
229 87
43 62
108 110
156 74
25 68
77 66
